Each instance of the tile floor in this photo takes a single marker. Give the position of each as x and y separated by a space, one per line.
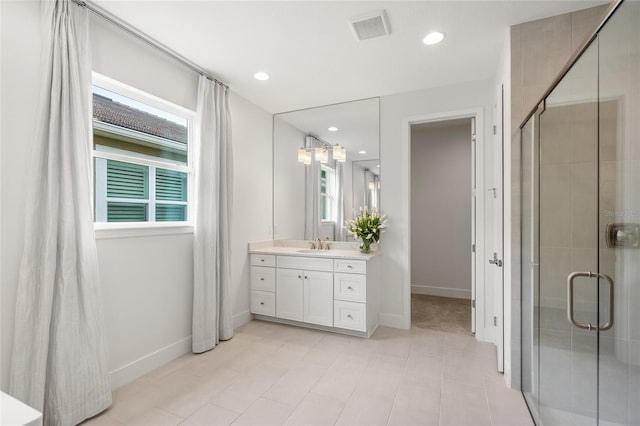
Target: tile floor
271 374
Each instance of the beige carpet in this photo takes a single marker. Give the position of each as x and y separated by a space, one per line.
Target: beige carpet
441 313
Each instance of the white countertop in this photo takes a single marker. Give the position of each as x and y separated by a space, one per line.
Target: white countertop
306 252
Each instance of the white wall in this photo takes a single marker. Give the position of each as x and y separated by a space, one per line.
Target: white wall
441 209
395 182
288 182
146 280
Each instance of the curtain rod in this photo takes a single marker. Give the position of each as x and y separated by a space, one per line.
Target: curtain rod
112 19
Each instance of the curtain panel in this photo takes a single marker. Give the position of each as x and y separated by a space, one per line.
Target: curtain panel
212 296
59 361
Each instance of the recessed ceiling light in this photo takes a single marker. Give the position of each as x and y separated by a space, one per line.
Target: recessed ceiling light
362 152
261 76
333 129
433 38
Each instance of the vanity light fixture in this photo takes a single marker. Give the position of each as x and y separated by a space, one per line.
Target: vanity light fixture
304 156
432 38
261 76
339 153
322 154
333 129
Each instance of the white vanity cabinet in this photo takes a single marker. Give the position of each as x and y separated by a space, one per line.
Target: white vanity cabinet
263 284
331 293
304 289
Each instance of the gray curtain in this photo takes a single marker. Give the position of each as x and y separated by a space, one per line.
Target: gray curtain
341 233
212 296
312 221
59 363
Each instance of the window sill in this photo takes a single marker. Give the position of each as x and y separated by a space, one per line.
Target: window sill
132 230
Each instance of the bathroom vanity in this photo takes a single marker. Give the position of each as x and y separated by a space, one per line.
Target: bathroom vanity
334 290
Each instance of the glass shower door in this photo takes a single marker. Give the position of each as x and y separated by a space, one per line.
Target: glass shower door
568 244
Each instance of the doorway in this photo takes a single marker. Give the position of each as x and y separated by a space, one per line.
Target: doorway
442 224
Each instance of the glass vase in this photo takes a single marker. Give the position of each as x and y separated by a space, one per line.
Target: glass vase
365 246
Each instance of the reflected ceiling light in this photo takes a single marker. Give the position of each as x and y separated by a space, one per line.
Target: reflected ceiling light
362 152
333 129
378 165
261 76
432 38
339 153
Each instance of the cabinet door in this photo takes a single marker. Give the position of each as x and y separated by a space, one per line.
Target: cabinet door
318 298
289 290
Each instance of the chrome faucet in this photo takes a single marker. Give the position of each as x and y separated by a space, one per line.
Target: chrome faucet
318 244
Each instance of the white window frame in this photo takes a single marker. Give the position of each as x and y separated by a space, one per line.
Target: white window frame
330 193
142 228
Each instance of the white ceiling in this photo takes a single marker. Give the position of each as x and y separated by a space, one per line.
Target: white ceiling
310 52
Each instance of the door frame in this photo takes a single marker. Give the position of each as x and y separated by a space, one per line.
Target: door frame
484 331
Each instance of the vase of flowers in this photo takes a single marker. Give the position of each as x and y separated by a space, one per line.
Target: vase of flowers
367 226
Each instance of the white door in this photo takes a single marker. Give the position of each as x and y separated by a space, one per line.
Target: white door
318 298
289 291
497 236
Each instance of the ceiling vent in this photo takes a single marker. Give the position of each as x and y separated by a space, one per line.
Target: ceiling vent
370 25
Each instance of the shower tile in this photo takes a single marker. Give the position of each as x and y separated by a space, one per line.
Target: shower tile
584 364
634 382
583 22
585 131
555 205
584 205
556 135
555 369
555 266
548 44
614 380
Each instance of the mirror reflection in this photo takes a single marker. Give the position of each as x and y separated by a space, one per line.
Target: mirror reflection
326 167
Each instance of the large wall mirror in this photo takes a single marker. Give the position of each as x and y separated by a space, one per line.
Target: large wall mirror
326 166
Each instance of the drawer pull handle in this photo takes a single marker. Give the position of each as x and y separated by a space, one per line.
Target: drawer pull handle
349 316
261 260
350 288
300 276
306 277
262 303
349 267
261 279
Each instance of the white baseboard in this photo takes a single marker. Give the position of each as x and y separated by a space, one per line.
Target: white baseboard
138 368
392 320
241 319
441 291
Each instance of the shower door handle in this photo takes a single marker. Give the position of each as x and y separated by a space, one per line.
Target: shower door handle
589 326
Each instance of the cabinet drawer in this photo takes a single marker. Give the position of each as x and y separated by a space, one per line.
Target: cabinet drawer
263 303
351 287
263 278
350 266
350 315
305 263
263 260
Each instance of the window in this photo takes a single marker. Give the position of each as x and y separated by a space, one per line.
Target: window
327 194
141 146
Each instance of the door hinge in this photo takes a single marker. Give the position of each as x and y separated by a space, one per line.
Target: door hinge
495 129
473 303
495 321
473 248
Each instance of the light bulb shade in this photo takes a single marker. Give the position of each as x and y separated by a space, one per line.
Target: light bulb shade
322 154
339 153
307 157
302 155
